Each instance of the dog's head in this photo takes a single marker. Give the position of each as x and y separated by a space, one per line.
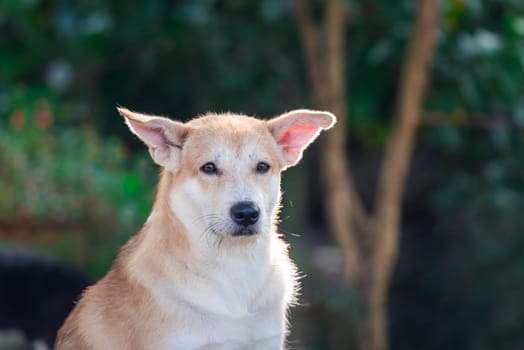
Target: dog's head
226 167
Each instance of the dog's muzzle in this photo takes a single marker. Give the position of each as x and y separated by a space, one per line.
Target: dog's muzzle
245 215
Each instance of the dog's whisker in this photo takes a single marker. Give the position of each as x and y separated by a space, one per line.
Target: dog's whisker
203 218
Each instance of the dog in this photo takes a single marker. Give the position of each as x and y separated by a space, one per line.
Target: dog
208 269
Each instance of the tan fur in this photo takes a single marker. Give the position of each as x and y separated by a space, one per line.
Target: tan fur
176 286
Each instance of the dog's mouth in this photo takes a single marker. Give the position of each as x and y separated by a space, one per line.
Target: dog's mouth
244 231
243 221
229 229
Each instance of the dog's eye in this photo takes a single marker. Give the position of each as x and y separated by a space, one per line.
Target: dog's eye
263 167
209 169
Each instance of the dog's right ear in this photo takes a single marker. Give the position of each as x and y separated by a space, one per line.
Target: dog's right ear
295 130
163 136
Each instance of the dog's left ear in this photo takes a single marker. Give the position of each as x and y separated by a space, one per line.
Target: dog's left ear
295 130
163 136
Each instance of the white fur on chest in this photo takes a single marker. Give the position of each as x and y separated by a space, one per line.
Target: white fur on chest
262 330
233 301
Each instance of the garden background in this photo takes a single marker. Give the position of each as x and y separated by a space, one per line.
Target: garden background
75 184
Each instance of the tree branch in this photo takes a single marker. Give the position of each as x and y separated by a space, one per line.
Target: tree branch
412 87
326 70
392 176
335 27
460 119
308 31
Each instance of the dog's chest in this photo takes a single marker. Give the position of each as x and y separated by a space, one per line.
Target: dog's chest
241 308
259 331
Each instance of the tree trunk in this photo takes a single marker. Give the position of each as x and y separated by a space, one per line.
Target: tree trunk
395 165
369 244
327 80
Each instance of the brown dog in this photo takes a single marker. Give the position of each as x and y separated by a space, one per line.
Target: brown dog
208 269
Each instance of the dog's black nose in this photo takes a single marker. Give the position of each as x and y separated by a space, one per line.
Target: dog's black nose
245 213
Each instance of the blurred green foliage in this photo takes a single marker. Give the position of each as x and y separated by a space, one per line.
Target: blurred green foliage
67 161
70 176
479 213
85 192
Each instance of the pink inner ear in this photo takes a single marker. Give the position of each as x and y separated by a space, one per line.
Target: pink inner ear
154 137
296 137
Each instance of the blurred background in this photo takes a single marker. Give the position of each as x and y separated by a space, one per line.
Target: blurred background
75 184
